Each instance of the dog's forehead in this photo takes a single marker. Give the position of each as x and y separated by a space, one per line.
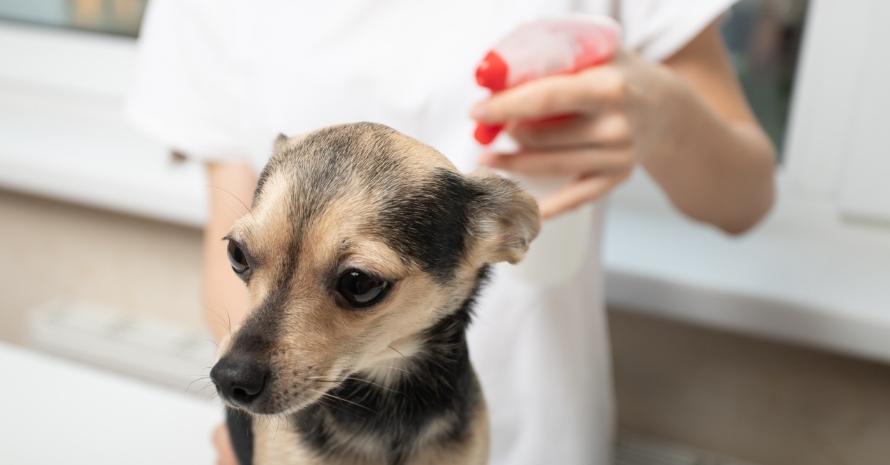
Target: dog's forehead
352 167
322 161
359 181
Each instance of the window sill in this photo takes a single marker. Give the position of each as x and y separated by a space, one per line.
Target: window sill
803 276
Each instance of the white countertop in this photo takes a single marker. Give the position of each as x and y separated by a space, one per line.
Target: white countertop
57 412
803 276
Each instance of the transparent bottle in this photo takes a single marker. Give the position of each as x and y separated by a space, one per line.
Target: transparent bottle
556 45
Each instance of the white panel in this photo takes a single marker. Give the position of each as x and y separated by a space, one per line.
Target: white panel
99 65
865 183
828 84
57 412
63 133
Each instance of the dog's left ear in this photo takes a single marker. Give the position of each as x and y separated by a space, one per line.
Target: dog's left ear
507 218
279 143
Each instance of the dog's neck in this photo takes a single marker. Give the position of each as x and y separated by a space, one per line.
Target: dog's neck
433 401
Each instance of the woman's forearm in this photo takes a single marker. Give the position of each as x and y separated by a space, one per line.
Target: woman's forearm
714 169
230 189
703 145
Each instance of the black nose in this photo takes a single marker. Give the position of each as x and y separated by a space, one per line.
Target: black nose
239 379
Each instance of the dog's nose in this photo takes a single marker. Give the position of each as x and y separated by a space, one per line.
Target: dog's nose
239 379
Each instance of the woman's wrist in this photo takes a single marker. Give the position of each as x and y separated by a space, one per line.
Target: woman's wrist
699 157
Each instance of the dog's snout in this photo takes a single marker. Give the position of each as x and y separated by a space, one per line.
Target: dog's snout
239 379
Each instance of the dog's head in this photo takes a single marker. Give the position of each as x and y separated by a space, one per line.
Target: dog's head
358 240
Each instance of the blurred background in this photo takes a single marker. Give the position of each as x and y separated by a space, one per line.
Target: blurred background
770 349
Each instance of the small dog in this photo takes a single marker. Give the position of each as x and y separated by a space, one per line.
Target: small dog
363 253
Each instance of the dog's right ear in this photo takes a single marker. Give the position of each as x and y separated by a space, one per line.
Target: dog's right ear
507 218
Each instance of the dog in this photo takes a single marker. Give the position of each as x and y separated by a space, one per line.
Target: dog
363 253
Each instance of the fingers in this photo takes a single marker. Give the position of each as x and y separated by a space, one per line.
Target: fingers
579 192
223 446
568 162
595 147
607 129
604 169
585 92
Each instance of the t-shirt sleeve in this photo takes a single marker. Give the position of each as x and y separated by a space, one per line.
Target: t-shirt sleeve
187 89
657 29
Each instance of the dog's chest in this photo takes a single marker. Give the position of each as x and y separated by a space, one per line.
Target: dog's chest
276 443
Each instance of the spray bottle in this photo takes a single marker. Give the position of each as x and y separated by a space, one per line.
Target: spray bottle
558 45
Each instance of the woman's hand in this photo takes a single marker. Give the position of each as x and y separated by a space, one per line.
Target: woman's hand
225 455
685 121
596 143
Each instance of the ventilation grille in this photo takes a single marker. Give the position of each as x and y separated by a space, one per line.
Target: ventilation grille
149 349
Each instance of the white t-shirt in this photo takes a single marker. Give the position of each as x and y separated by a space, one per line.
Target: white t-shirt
220 78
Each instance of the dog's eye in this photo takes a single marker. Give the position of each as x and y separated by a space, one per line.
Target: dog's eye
238 259
360 289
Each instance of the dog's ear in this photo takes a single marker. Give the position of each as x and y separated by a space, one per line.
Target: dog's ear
279 143
507 218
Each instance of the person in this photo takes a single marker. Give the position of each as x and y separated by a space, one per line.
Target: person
218 79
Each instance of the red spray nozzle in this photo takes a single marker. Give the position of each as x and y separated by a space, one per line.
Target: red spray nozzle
492 72
486 133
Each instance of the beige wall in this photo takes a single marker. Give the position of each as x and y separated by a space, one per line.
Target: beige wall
761 401
54 250
765 402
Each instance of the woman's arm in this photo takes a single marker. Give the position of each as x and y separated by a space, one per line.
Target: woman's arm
685 121
717 165
230 191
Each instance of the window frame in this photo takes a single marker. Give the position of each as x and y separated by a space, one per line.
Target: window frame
833 145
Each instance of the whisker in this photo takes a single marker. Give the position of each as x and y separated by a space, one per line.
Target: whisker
393 367
200 378
216 314
397 351
331 396
353 378
227 321
232 195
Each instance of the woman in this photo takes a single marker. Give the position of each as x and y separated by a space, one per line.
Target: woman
218 79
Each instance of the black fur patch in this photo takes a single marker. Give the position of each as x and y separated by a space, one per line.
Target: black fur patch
263 325
241 434
430 221
441 384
